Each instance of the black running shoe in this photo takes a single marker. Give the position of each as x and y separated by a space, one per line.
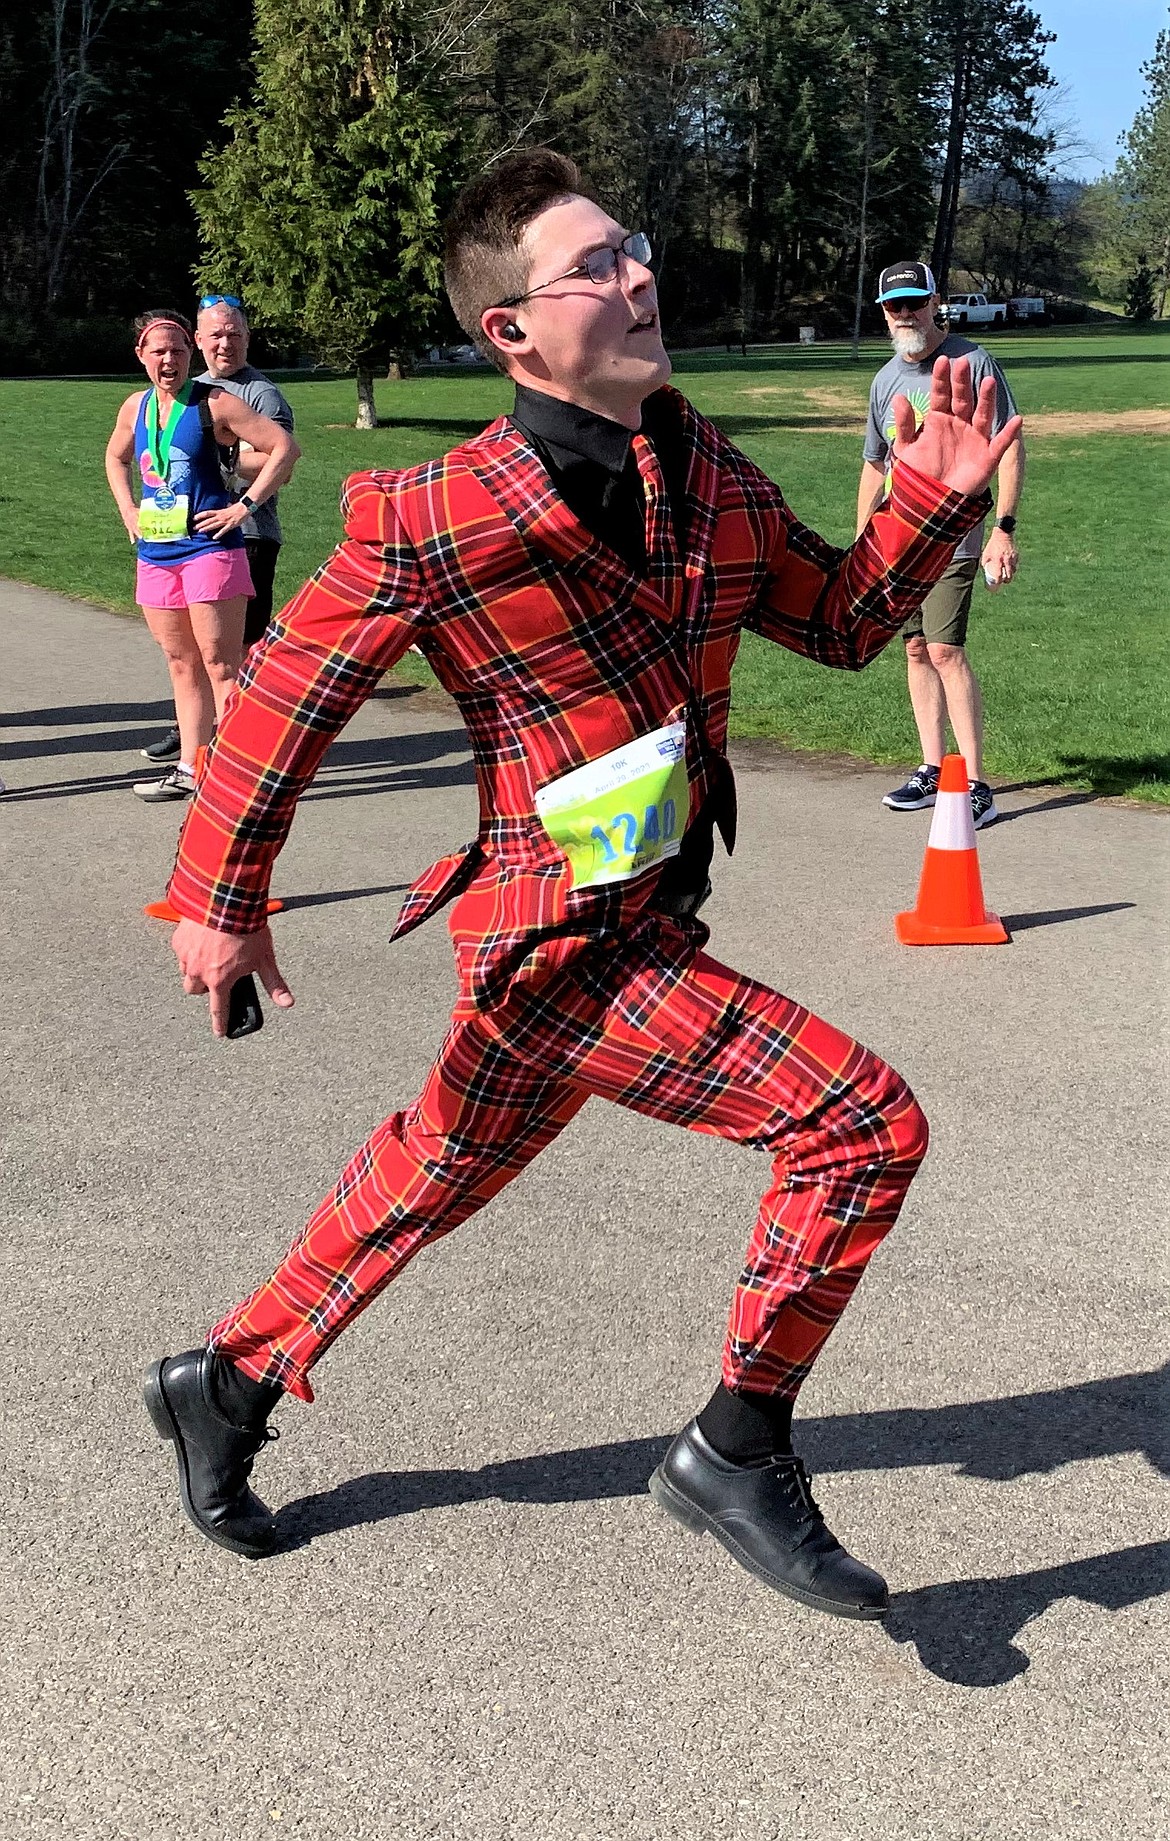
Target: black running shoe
166 748
983 807
918 792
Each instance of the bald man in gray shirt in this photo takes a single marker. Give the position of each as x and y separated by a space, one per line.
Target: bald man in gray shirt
221 333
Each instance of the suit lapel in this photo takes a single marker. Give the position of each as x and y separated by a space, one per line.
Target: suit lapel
511 471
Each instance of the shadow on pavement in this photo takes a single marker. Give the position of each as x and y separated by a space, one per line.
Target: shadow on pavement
963 1629
999 1440
404 760
75 789
1019 923
87 741
589 1474
459 773
1045 805
81 713
327 897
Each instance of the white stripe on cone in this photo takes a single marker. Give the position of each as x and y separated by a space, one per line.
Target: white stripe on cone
952 826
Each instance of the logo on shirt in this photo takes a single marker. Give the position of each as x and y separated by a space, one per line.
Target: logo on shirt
919 401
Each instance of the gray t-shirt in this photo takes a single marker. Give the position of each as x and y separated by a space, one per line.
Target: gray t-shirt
262 395
910 377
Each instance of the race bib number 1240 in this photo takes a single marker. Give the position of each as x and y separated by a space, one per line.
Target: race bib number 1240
621 815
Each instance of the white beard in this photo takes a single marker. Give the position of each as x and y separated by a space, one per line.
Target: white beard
909 342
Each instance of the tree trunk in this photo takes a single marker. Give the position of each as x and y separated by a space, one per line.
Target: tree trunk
748 251
952 179
863 225
367 414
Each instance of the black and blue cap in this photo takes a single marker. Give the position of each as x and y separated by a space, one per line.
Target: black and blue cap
905 281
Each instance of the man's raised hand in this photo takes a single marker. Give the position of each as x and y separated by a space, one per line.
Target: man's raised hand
212 961
955 444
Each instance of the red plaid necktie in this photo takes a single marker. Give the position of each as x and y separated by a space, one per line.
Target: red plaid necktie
663 565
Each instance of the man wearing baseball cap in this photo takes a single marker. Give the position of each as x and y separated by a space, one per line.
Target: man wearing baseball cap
943 686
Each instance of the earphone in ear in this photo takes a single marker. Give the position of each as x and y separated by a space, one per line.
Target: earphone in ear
512 331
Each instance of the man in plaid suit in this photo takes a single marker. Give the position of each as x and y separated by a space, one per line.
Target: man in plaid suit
578 576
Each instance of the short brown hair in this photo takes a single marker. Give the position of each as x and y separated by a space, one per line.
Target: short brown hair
483 260
145 321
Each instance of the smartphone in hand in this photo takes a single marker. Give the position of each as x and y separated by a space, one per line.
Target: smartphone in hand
245 1016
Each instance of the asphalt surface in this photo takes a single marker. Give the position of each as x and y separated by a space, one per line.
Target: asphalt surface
480 1626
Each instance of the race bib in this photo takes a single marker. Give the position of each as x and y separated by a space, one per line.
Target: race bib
162 518
620 815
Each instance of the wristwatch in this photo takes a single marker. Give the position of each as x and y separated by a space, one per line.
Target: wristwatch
251 505
1006 525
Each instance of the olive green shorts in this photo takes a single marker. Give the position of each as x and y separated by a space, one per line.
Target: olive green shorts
942 618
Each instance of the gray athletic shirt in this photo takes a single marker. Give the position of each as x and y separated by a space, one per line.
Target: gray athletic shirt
262 395
911 378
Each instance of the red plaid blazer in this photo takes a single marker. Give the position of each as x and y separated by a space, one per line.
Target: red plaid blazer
555 653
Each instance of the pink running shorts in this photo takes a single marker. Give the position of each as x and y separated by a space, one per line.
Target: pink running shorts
216 575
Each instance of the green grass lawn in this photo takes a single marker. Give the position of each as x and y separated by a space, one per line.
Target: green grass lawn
1072 658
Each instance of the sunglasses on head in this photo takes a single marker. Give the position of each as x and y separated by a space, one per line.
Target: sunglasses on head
220 300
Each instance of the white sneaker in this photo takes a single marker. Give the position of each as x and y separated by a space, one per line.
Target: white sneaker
174 785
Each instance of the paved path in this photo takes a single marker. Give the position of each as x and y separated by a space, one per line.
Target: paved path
481 1629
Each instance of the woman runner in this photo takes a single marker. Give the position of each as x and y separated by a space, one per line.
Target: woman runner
193 579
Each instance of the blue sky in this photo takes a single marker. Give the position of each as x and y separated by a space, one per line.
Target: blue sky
1099 50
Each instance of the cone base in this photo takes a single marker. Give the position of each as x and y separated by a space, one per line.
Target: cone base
912 931
162 910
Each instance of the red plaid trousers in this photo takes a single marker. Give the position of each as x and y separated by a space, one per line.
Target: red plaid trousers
649 1020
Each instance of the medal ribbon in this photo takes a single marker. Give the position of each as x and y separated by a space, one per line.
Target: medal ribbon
159 442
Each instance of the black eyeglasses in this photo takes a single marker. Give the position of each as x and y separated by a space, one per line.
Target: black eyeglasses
601 265
220 300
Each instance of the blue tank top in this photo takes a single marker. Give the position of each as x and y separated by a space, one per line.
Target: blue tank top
178 482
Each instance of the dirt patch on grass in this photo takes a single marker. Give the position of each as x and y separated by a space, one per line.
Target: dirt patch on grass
830 412
816 399
1099 422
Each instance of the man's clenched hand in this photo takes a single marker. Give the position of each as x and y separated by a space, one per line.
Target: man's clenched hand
212 961
955 444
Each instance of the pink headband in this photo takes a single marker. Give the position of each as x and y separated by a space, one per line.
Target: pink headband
163 319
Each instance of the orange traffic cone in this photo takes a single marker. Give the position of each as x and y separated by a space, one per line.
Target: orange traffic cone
162 910
950 909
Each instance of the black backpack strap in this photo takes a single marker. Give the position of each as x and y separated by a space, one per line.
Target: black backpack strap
201 397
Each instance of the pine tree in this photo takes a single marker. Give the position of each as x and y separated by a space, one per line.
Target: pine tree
990 59
1139 295
1143 172
325 206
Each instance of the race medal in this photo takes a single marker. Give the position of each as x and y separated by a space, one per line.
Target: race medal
162 515
618 816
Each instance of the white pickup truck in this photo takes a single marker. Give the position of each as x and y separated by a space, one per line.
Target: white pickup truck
974 310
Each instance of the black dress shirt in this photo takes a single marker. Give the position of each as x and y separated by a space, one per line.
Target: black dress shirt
592 465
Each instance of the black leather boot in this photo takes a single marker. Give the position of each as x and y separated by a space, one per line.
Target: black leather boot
766 1518
215 1457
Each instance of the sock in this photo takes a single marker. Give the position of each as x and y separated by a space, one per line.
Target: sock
187 767
247 1403
747 1428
